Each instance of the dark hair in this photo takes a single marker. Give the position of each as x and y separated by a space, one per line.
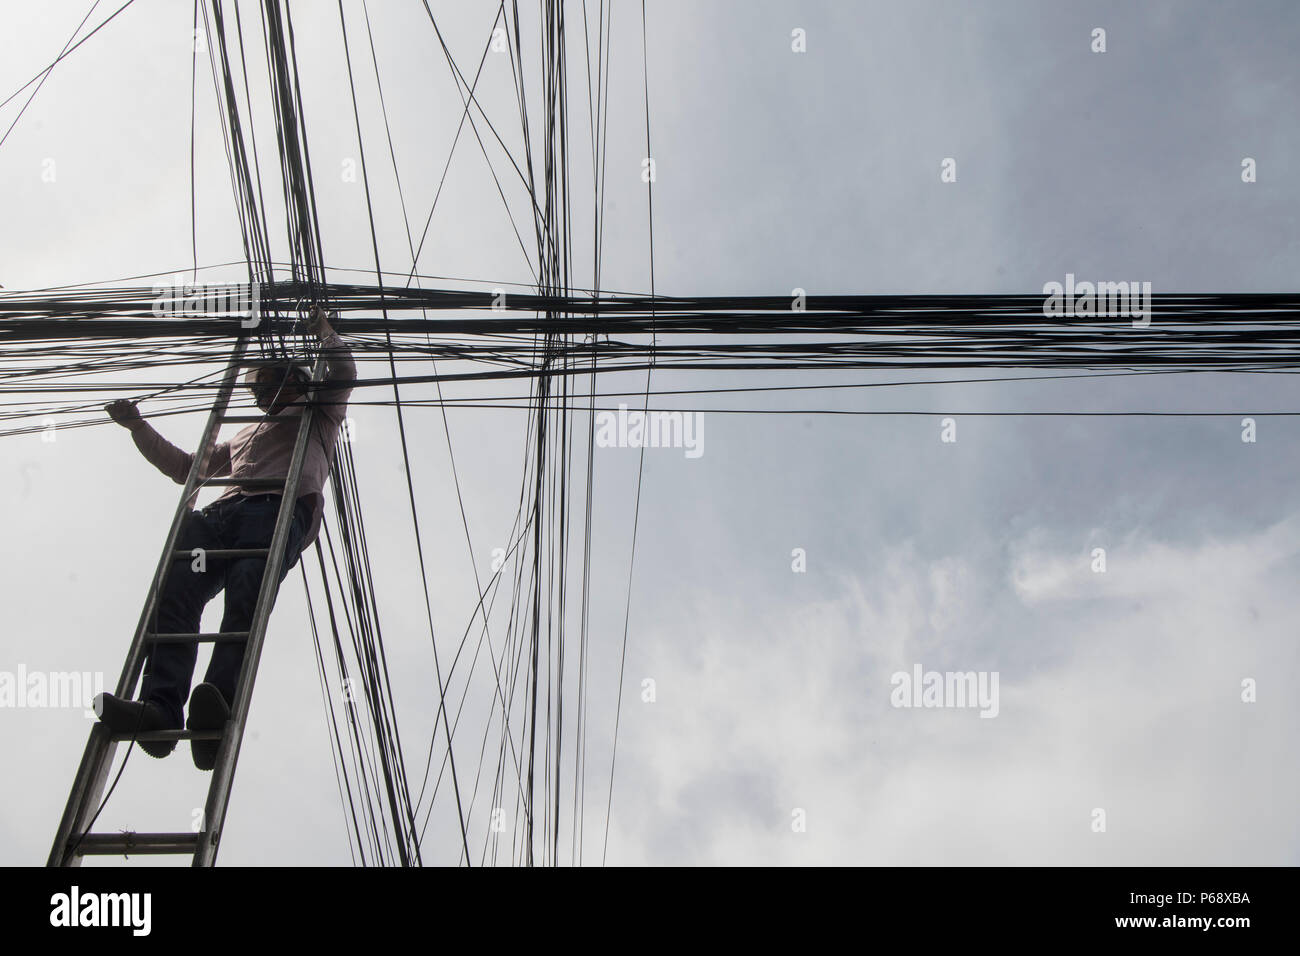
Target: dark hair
269 387
285 374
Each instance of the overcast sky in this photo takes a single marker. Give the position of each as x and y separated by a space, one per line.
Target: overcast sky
775 170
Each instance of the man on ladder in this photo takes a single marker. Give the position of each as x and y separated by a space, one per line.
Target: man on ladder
239 519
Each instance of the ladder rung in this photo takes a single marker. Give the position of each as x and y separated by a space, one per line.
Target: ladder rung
158 736
246 482
109 844
215 553
242 419
210 638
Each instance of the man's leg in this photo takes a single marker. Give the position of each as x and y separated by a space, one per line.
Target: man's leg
252 526
169 668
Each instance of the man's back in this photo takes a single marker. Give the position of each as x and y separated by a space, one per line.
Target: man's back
265 449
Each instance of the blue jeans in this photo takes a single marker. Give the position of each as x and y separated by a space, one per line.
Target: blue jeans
245 522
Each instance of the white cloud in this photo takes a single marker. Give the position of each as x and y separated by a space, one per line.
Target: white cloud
1140 716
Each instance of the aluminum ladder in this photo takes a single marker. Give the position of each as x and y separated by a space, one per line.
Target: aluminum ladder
73 841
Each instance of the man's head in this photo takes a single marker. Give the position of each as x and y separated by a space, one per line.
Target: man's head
276 387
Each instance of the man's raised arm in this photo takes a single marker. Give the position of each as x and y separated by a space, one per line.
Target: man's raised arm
161 453
340 367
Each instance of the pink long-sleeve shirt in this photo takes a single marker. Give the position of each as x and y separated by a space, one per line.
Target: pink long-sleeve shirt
264 450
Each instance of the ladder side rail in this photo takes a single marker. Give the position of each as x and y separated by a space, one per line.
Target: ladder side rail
135 659
228 753
92 772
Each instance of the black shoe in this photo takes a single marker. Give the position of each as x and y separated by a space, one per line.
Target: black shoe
136 717
208 711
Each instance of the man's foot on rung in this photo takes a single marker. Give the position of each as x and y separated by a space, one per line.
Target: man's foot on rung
208 711
136 717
